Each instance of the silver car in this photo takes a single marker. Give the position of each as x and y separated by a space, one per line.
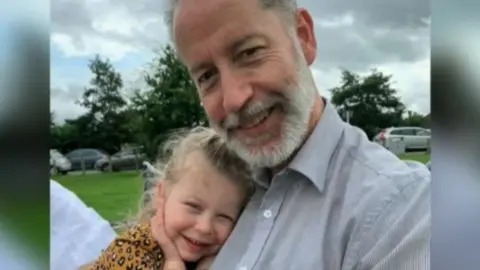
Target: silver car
127 159
59 164
414 138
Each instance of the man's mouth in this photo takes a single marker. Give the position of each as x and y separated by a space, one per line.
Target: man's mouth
256 119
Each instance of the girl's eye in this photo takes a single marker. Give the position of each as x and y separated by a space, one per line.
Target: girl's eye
227 217
193 206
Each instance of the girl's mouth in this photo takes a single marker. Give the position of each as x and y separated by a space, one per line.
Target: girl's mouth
195 245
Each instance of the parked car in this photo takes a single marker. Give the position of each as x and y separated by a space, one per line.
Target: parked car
127 159
415 138
87 155
59 164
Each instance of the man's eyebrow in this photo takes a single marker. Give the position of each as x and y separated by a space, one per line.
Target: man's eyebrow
234 46
245 39
199 67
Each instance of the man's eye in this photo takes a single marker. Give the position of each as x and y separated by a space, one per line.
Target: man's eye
249 52
205 77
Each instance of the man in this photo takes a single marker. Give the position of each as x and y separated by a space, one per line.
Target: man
78 234
326 197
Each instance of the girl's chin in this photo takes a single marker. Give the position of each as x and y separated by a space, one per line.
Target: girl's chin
190 257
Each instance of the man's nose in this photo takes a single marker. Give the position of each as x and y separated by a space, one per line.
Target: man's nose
236 92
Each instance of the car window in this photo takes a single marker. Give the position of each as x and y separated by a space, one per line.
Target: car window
396 132
74 154
423 132
403 132
408 132
90 153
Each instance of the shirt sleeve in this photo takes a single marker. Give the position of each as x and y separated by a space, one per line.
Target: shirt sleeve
395 233
135 249
78 234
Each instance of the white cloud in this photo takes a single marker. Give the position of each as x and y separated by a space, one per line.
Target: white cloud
65 110
127 26
344 20
93 44
412 80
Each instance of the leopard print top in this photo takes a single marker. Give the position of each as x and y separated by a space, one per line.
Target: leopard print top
136 249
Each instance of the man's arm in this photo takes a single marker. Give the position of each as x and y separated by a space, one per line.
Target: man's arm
77 233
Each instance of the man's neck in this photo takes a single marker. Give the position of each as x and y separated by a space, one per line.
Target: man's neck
315 116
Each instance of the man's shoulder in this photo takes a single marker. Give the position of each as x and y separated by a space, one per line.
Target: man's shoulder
374 177
371 164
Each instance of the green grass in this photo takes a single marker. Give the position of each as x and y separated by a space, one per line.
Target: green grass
117 195
421 157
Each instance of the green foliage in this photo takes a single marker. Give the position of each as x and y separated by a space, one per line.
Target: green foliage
169 102
104 124
103 97
414 119
371 101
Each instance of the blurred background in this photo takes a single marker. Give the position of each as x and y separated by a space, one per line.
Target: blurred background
24 134
30 75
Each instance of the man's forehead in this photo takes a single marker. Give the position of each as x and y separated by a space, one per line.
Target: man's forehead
193 12
195 28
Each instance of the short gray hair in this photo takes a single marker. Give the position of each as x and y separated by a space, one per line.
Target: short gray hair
286 8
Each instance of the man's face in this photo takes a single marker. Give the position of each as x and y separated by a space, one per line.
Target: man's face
251 73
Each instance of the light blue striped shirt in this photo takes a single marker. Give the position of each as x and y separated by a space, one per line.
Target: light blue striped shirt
343 203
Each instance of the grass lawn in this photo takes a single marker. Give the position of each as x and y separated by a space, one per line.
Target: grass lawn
117 195
114 195
421 157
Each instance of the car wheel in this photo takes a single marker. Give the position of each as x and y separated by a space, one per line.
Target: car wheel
104 167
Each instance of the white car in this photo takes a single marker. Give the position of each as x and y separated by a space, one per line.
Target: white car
414 138
58 163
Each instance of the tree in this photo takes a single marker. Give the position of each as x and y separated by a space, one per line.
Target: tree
370 102
106 105
415 119
168 103
75 133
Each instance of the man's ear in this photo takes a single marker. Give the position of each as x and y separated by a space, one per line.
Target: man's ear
306 35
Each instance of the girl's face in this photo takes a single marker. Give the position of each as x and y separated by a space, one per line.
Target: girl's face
201 208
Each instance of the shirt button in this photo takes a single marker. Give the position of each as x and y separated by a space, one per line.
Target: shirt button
267 213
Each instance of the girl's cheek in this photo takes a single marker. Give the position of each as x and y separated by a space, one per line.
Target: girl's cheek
179 220
223 231
171 218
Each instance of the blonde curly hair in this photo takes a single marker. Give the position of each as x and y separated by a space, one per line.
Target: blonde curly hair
213 147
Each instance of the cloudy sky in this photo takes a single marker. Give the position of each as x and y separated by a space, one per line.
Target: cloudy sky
392 36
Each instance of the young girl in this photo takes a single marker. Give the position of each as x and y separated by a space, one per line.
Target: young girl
194 209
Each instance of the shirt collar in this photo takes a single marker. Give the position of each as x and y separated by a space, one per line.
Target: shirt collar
313 159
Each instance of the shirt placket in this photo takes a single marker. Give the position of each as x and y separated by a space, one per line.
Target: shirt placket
265 220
